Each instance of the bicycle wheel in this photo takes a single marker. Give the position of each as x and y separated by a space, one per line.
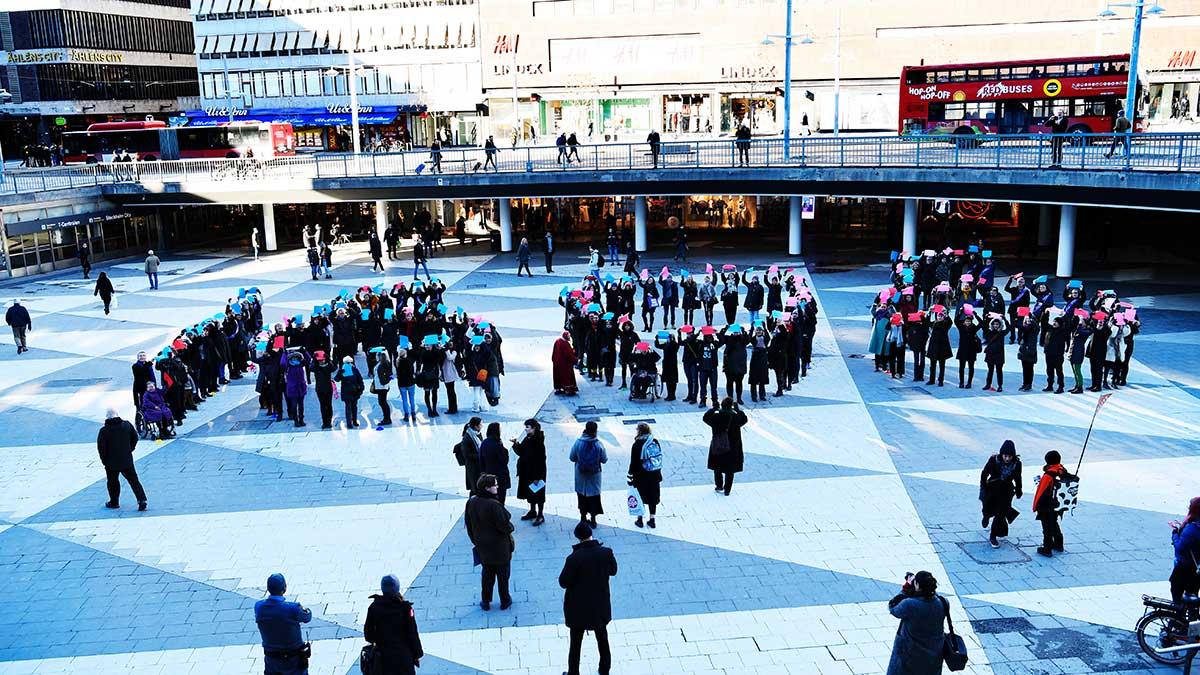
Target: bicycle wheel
1159 629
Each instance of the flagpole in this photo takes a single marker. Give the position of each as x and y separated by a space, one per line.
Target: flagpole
1095 412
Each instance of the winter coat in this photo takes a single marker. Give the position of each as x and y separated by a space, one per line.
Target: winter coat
531 464
1077 345
115 443
490 528
587 484
18 316
352 384
493 459
759 348
939 339
647 482
449 366
670 361
586 603
734 361
392 627
1055 345
878 343
143 372
295 377
969 345
754 296
469 446
917 649
730 422
1027 341
997 492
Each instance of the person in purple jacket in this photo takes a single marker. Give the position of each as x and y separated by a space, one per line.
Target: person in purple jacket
294 363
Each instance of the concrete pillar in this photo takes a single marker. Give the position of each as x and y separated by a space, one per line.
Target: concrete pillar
795 213
160 229
1066 242
268 211
639 224
1045 231
381 217
910 227
506 244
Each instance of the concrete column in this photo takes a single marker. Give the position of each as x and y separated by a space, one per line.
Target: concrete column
910 227
269 228
795 213
639 224
1045 233
381 217
506 244
1066 242
160 229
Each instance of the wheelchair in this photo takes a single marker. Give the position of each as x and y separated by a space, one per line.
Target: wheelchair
149 430
645 385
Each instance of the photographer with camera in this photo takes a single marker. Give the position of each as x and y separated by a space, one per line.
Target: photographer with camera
284 650
920 646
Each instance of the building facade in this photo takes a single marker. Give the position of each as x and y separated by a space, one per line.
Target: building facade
416 66
619 68
70 63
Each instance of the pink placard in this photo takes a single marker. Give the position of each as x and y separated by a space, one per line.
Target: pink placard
1129 314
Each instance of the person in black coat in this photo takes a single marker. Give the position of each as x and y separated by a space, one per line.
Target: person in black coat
392 627
587 604
352 389
1055 348
531 468
490 528
733 360
1027 349
725 456
669 347
969 347
115 443
939 345
1097 348
777 355
376 252
493 459
321 374
645 470
104 289
916 335
999 482
993 350
760 373
143 373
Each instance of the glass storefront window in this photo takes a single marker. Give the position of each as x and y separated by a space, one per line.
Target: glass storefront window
686 114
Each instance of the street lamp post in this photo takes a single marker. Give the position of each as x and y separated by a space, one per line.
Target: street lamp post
1140 7
787 81
787 74
353 77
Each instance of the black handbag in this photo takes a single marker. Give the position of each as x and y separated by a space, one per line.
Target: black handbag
954 650
366 659
719 445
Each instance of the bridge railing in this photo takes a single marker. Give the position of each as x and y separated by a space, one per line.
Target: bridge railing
1159 152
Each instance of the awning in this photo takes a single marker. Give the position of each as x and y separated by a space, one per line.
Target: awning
305 117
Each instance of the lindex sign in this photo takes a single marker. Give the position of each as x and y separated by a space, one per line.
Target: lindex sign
997 90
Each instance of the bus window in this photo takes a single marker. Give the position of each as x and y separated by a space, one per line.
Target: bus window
937 112
988 73
1087 107
958 76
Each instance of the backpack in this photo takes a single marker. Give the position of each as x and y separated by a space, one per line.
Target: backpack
588 459
652 455
1066 493
599 260
384 371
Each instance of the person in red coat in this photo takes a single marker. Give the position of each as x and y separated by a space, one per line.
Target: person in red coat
563 358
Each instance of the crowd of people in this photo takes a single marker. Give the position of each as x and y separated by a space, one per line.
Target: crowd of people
935 292
602 315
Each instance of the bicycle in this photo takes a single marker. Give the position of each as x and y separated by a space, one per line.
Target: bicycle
1169 632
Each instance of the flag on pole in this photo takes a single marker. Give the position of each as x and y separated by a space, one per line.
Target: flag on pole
1103 399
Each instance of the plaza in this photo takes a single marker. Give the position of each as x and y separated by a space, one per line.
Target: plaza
852 479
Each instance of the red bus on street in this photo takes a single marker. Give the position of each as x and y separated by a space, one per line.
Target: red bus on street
1012 97
153 140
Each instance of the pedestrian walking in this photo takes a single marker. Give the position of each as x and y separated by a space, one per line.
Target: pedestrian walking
419 261
376 248
587 603
327 260
917 648
523 257
999 482
743 145
391 629
1046 505
115 442
725 456
489 154
655 142
85 259
589 456
435 156
17 317
490 528
284 650
645 471
561 144
1121 129
467 451
152 263
314 262
104 289
254 241
493 459
530 448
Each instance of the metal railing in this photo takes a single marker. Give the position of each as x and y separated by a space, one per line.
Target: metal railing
1150 152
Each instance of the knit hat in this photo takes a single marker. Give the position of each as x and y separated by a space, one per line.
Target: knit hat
1008 448
276 584
583 531
389 584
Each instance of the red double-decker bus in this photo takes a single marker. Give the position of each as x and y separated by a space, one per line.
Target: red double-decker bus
153 140
1012 97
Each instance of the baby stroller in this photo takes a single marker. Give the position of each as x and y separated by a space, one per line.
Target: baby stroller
154 419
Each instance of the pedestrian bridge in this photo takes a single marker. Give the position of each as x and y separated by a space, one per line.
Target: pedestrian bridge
1160 171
